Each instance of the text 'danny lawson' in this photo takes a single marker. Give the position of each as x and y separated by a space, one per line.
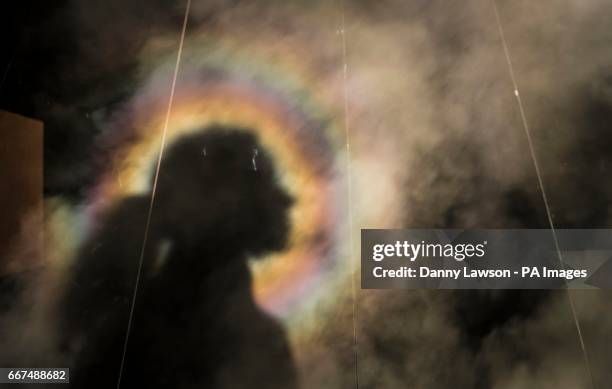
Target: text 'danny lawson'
486 259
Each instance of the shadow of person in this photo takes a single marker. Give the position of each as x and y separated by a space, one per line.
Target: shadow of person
195 321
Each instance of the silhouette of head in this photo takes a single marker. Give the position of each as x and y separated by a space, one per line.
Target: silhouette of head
218 191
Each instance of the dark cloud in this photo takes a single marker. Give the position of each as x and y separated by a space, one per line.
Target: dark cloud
467 165
70 64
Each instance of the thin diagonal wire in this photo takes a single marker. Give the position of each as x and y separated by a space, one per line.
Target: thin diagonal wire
347 134
542 189
153 191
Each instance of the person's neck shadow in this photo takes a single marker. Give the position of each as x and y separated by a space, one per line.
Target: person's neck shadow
195 323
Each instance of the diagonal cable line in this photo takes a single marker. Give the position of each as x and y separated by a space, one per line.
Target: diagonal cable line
347 135
153 190
542 189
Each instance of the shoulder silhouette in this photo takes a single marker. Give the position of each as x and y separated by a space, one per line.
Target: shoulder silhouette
195 322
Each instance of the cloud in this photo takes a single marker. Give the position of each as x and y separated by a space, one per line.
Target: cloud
437 141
